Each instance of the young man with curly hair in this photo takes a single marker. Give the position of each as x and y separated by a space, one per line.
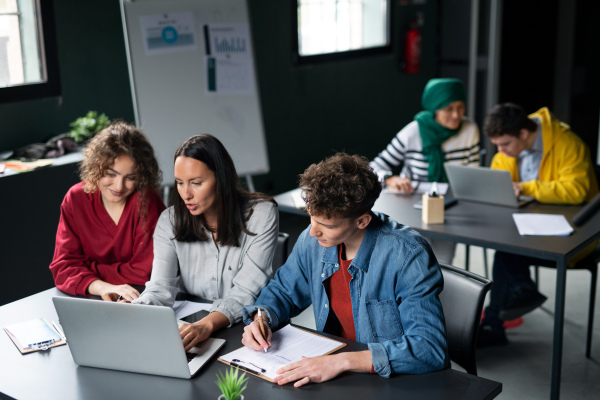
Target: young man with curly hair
368 278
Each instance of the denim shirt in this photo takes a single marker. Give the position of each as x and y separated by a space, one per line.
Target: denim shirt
394 289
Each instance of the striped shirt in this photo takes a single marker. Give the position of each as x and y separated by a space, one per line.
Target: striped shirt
405 152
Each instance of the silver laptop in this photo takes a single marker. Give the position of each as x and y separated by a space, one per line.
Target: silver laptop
485 185
129 337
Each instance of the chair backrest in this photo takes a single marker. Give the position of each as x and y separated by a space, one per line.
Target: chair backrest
281 252
462 300
166 193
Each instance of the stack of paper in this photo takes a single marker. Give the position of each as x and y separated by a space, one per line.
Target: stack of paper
542 224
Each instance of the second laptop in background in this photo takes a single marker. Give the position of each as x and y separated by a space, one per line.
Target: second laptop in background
484 185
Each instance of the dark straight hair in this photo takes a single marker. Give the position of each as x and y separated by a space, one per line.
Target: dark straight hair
231 199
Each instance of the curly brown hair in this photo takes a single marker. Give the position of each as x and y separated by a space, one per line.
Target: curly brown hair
121 139
341 186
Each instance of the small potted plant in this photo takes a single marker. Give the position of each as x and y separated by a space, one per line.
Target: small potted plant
231 384
85 128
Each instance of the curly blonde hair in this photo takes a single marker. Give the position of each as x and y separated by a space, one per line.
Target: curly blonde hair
121 139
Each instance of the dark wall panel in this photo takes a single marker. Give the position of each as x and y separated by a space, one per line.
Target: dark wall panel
356 105
93 75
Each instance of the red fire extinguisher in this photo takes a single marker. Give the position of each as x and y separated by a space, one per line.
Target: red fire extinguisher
412 48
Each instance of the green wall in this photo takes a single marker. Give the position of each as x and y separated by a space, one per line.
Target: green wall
354 105
93 74
309 111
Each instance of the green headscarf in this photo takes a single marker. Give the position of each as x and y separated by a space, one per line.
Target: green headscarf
438 93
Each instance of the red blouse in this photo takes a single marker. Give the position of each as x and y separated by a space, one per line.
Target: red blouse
90 246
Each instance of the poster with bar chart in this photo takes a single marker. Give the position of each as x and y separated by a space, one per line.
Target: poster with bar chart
229 66
192 70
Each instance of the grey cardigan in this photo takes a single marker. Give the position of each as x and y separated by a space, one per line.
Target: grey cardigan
231 277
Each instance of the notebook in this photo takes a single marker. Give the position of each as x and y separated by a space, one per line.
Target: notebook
288 345
34 335
129 337
484 185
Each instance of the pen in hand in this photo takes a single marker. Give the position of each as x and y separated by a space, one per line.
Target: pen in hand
262 326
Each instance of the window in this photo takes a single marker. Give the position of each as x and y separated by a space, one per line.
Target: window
329 29
28 66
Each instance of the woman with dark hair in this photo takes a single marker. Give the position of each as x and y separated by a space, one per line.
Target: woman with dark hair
104 236
216 242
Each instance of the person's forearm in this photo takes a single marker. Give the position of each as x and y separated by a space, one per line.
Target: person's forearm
213 321
356 361
98 287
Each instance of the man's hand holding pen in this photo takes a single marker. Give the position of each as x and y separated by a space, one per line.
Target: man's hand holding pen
253 336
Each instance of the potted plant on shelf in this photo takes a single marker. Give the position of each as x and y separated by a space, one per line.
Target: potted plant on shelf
84 128
231 383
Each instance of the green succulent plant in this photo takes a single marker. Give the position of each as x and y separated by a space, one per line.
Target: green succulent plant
231 384
85 128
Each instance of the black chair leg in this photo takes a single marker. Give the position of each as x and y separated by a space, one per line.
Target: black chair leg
588 345
537 277
467 257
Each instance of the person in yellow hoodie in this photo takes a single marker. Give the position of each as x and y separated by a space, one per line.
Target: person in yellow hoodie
548 161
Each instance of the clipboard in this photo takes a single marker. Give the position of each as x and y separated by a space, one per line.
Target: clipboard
249 361
46 336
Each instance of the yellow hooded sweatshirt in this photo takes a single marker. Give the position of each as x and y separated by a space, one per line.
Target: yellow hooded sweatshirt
566 173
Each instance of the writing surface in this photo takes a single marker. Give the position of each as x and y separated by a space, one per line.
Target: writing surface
192 71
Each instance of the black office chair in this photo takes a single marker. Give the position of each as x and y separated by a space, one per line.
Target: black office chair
462 301
281 252
590 263
166 194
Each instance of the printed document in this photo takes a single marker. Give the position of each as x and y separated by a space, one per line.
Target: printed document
542 224
288 345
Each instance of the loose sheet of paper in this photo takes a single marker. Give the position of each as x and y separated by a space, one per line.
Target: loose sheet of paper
288 345
184 308
542 224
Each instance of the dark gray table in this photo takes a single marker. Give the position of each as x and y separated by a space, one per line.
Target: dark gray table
493 227
54 375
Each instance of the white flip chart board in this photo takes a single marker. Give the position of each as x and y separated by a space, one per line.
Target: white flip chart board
192 71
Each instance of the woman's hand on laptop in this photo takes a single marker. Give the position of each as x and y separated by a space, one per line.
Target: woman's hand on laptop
192 334
110 292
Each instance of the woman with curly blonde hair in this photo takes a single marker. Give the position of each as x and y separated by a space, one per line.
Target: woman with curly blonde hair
104 236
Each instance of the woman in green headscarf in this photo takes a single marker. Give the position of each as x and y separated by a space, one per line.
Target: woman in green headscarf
439 134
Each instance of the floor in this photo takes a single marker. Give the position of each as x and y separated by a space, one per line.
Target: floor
523 366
